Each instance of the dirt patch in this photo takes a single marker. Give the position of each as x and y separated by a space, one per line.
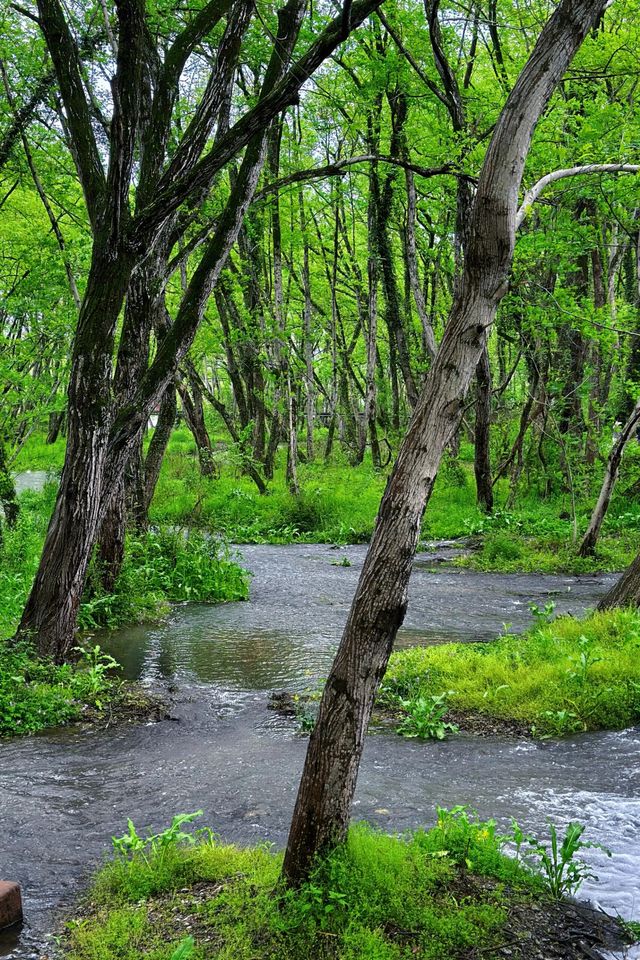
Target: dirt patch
131 704
558 931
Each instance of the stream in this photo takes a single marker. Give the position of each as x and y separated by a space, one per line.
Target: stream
63 794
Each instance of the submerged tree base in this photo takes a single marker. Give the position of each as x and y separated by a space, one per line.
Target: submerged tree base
445 894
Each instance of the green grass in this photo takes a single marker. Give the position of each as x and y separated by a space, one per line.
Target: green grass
430 895
36 694
159 568
559 678
338 504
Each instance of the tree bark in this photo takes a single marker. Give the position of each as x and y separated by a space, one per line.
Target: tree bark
626 592
588 545
482 455
323 805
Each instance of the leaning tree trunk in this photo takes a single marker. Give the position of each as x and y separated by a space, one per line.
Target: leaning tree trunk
482 459
158 445
626 592
323 805
51 610
588 545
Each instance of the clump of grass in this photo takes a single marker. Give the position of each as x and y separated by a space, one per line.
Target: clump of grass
559 678
36 693
379 897
160 568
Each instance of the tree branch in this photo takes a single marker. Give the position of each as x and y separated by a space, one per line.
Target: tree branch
66 61
253 122
338 169
532 195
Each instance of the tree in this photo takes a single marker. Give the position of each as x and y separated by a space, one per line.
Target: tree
102 432
328 782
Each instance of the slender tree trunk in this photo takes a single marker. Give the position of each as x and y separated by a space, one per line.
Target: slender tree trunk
482 459
8 498
56 421
158 445
588 545
323 805
194 416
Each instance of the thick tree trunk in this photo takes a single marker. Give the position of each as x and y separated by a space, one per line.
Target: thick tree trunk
588 545
323 805
626 592
50 613
482 434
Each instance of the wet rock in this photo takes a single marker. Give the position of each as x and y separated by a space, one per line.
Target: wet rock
10 904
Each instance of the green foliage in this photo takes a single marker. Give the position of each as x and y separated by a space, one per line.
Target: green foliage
560 677
160 568
337 503
425 718
562 869
377 896
35 693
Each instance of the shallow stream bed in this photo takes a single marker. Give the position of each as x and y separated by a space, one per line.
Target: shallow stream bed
64 794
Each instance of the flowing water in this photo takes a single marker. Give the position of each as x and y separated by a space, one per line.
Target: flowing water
63 794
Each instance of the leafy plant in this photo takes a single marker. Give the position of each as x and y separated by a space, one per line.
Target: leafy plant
425 718
185 950
584 661
131 845
562 870
542 615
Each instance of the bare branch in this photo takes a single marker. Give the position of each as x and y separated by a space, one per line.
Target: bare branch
338 169
534 192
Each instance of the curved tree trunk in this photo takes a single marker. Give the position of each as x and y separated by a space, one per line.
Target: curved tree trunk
323 805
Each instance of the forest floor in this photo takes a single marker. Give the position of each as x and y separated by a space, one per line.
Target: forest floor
450 892
538 532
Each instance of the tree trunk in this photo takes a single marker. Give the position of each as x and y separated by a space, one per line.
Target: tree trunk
322 809
588 545
482 459
158 445
194 416
626 592
55 425
50 613
8 498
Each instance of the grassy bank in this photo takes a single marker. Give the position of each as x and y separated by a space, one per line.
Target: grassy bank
338 504
160 568
444 894
561 677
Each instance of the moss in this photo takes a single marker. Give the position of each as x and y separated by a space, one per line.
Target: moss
559 678
377 897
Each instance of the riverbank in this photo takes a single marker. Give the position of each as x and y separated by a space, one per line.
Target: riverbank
445 893
338 504
561 677
160 568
